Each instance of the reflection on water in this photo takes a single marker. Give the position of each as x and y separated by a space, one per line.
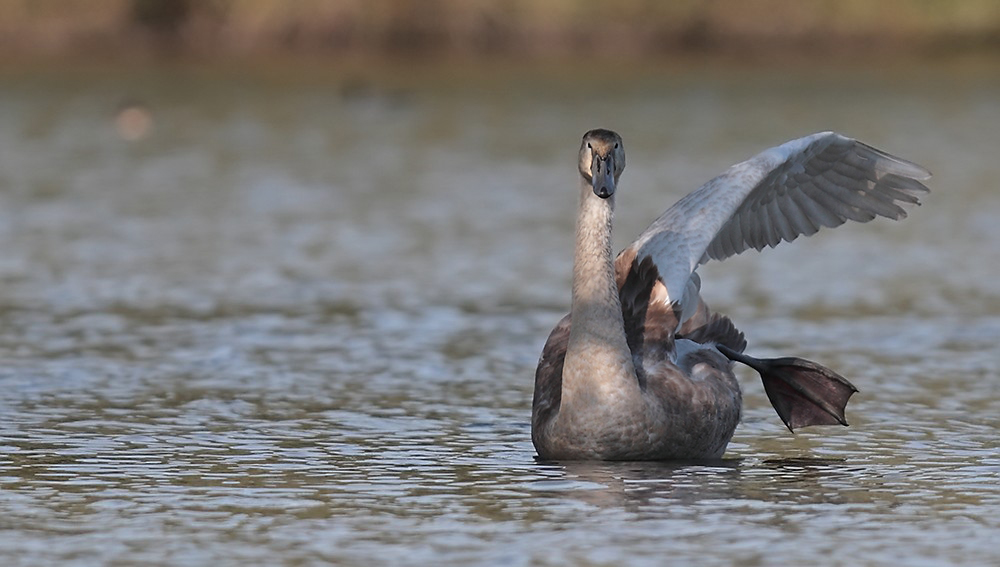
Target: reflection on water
298 323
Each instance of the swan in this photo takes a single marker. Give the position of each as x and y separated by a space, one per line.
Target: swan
641 369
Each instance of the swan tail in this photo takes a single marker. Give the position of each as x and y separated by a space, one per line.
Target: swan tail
803 392
713 328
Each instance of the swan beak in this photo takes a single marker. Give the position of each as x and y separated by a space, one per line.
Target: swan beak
602 176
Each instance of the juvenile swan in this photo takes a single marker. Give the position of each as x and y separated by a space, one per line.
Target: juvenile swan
641 369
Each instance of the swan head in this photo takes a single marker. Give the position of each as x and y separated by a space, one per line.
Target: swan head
602 160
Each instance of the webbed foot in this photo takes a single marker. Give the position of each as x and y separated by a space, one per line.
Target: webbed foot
802 392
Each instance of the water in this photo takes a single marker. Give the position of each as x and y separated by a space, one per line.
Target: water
297 323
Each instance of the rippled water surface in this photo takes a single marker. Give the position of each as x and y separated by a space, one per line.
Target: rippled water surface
297 323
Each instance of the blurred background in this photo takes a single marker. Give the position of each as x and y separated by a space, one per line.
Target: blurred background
275 275
457 28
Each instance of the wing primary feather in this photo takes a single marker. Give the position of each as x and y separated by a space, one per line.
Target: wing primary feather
882 194
911 188
898 196
891 164
865 195
849 175
836 205
855 206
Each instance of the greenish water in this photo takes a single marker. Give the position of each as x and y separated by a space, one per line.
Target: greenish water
297 323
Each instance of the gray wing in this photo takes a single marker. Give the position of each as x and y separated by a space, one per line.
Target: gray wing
830 181
796 188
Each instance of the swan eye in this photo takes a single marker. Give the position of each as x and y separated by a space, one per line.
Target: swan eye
589 147
616 145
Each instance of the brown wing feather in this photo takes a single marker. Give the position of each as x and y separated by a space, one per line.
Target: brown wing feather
650 319
648 316
717 329
548 376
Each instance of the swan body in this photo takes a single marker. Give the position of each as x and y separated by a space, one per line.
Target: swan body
641 369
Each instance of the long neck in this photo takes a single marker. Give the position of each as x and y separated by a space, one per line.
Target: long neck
597 332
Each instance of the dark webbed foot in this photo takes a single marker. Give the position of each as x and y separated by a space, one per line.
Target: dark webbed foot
802 392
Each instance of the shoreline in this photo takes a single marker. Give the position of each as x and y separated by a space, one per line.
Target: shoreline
153 30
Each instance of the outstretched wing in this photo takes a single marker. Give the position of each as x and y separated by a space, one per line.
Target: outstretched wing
796 188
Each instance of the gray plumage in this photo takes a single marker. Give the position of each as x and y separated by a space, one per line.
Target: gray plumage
641 369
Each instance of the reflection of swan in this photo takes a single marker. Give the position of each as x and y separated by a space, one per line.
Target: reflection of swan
640 369
656 489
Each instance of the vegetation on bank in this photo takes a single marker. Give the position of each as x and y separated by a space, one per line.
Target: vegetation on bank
535 27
